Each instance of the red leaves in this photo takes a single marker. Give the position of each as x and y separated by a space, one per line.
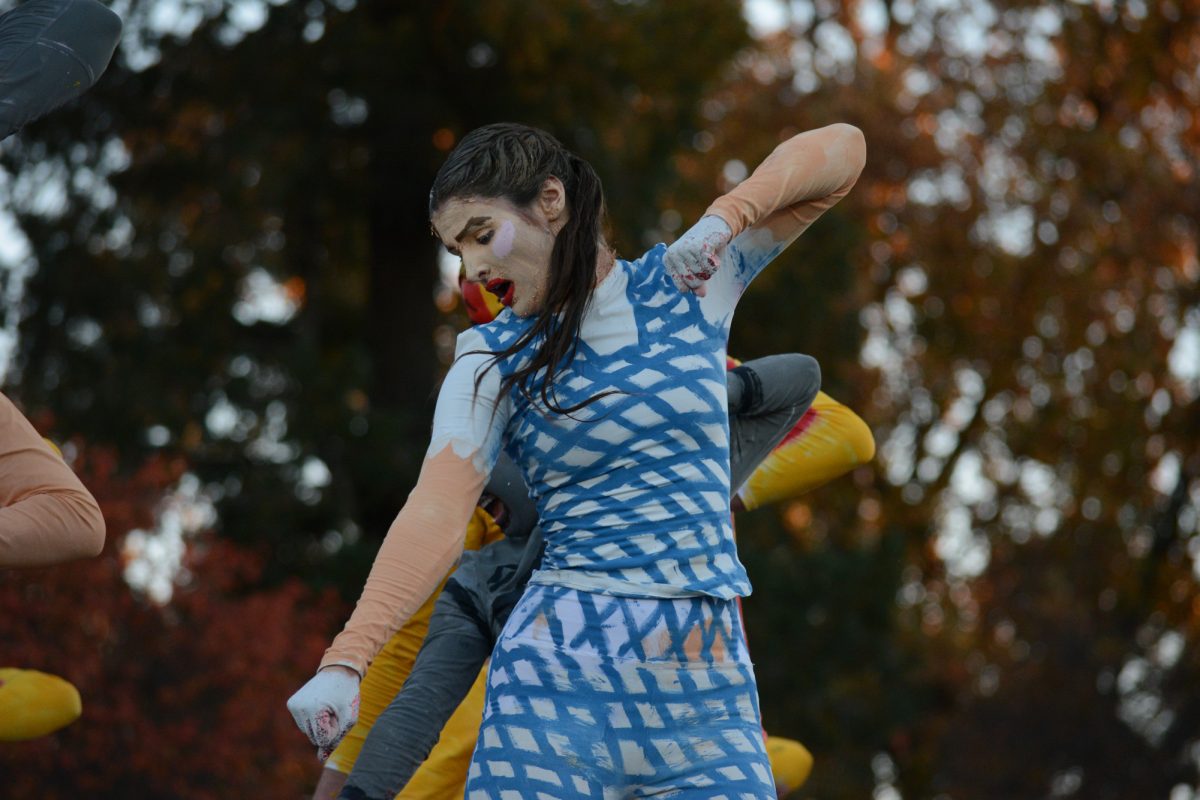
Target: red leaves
184 700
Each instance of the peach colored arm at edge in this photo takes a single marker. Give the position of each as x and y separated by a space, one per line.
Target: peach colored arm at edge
799 181
46 514
422 545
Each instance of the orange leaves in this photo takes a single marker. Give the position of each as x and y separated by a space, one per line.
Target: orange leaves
295 289
443 139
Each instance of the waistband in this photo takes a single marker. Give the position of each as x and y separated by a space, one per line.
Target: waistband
679 632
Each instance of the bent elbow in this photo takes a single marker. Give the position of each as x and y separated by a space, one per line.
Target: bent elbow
95 535
855 148
89 528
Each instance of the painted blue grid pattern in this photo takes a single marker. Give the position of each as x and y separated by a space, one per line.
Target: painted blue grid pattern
633 490
595 696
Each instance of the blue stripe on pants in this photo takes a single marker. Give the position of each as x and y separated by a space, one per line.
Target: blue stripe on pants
595 696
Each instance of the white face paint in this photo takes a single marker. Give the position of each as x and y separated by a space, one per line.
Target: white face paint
503 247
502 242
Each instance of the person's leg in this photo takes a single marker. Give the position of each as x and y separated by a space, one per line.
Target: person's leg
447 765
691 728
767 397
827 442
450 759
51 51
544 716
597 695
396 759
442 775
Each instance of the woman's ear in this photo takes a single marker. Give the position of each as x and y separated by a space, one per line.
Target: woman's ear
552 202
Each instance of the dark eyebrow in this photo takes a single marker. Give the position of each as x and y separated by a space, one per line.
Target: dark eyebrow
472 224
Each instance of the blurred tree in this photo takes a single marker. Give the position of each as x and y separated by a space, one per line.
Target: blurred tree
1008 606
232 250
181 701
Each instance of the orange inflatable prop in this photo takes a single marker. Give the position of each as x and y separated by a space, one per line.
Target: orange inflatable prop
482 305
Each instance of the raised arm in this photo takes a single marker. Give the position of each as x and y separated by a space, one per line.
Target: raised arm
743 230
46 514
421 546
799 181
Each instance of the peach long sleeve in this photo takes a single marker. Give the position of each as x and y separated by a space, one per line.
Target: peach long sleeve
799 181
422 545
426 539
46 514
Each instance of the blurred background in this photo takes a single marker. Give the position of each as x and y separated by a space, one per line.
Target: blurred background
220 296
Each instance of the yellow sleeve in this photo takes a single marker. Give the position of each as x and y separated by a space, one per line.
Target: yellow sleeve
827 442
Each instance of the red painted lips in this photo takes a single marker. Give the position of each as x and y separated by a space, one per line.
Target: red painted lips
502 289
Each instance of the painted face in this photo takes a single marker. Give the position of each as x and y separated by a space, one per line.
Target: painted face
504 248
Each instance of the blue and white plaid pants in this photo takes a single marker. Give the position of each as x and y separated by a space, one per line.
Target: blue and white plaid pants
596 696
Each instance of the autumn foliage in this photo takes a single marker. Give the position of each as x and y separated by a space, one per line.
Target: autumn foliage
183 700
230 262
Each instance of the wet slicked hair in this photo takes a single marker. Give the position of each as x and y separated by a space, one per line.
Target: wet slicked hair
512 161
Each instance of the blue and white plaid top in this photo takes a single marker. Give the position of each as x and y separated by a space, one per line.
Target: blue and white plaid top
632 490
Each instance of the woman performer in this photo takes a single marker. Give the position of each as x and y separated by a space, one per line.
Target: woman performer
767 397
382 750
605 385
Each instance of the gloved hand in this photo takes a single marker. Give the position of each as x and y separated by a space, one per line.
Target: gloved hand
326 707
696 255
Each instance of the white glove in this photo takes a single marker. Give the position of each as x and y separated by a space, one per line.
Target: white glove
326 707
696 255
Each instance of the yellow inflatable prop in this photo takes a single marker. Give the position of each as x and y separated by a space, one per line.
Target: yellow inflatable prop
826 443
33 704
791 764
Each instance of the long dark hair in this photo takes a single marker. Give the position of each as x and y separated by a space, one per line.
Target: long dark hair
513 161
